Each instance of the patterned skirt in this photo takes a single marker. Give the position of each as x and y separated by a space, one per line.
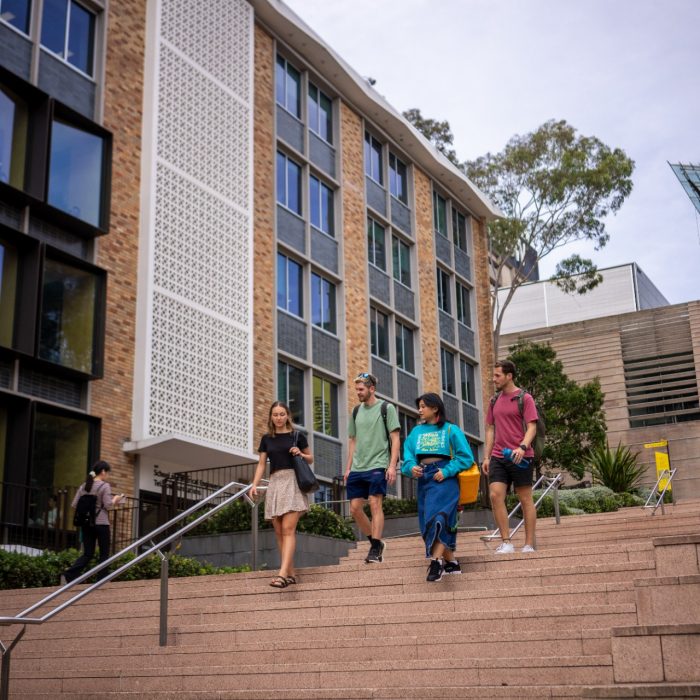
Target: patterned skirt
283 495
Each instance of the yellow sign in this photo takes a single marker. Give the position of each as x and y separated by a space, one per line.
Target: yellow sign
660 443
662 465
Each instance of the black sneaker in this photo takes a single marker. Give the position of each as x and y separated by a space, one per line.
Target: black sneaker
381 549
435 570
373 557
452 567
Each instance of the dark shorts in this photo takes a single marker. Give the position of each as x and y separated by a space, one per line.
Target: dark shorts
366 484
505 472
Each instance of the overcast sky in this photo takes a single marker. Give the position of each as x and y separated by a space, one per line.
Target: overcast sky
626 71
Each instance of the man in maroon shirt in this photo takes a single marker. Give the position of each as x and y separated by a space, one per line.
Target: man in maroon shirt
506 427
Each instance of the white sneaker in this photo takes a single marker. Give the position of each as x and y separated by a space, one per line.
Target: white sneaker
505 548
527 549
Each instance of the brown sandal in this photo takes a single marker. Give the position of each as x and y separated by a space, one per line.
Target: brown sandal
290 579
279 582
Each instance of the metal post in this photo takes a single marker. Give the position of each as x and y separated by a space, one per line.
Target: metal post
254 536
164 565
5 674
555 498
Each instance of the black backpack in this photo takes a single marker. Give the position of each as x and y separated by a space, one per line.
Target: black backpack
383 410
86 510
538 442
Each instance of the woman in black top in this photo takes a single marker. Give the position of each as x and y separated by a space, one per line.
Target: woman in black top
284 501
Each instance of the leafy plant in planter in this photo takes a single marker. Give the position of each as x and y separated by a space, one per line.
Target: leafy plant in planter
617 469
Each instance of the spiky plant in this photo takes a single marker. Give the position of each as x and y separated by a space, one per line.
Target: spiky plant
617 469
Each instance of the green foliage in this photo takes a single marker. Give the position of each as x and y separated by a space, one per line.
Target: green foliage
596 499
236 517
23 571
396 506
555 187
438 133
323 521
618 469
573 413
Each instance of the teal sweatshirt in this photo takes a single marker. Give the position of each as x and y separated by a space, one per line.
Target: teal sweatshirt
430 440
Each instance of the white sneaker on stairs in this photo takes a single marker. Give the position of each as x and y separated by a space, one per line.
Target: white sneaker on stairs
505 548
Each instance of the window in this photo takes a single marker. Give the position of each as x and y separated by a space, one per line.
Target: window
397 179
320 113
401 256
325 407
404 349
321 197
464 311
439 214
379 334
16 13
323 303
13 138
373 158
68 30
288 87
466 380
290 389
407 423
459 230
447 365
289 289
76 170
69 305
288 183
8 292
375 244
443 291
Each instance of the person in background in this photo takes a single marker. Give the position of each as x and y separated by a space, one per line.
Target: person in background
95 484
284 501
435 452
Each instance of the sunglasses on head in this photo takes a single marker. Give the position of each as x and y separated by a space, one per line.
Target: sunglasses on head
365 377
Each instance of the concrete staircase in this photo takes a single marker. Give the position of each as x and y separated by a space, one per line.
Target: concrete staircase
609 607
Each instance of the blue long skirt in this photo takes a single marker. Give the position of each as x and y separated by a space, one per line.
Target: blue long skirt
437 508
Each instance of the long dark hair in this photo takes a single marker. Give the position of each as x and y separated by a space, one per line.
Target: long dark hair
271 425
97 468
434 401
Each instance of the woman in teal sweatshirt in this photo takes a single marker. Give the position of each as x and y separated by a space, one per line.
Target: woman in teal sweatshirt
434 453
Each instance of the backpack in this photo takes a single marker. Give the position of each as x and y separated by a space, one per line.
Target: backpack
383 410
538 442
86 510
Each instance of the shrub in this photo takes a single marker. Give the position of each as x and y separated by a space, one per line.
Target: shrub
24 571
618 469
396 507
322 521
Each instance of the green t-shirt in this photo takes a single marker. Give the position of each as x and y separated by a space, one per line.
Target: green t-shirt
372 451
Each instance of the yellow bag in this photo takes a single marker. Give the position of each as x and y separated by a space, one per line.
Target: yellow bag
468 485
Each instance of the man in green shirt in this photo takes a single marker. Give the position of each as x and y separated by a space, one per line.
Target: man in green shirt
373 453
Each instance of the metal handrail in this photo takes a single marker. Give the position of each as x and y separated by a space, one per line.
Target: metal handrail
553 483
22 619
665 474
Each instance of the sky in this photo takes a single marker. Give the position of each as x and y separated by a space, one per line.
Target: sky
625 71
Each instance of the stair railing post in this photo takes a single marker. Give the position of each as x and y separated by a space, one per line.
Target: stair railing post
164 571
6 658
254 536
557 514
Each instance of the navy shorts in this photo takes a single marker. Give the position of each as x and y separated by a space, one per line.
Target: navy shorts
366 484
505 472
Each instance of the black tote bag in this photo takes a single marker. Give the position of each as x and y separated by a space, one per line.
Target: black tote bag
306 479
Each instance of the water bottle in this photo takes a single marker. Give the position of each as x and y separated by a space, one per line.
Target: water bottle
508 454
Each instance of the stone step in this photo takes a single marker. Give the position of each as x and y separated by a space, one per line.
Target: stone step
536 643
383 673
658 691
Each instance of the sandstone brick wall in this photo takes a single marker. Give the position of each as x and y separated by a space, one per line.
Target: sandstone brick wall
264 220
354 229
427 284
482 289
111 397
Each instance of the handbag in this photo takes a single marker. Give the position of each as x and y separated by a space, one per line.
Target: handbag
468 485
306 479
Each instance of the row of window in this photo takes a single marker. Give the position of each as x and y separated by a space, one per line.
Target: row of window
67 29
461 225
52 306
400 252
462 303
466 390
380 326
52 154
288 93
374 168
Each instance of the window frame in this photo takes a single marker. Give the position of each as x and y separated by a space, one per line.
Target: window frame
402 342
394 161
66 39
372 244
285 175
332 307
300 86
289 260
282 363
465 383
333 400
462 309
456 237
374 334
397 246
370 145
437 198
24 32
444 296
444 353
322 187
316 128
